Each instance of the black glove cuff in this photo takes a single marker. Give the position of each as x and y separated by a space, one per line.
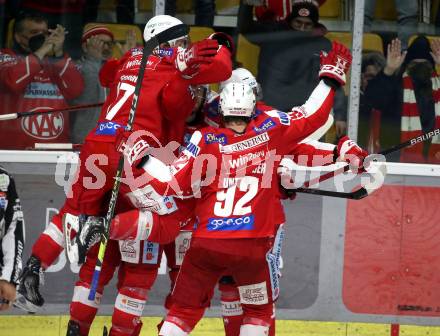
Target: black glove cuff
333 83
143 161
335 154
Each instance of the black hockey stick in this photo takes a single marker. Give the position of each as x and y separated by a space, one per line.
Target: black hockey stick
165 36
366 190
12 116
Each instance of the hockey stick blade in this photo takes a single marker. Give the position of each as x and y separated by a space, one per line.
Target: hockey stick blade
378 178
167 35
424 137
356 195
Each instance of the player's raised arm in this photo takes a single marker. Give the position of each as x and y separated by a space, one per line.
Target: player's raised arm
305 119
143 168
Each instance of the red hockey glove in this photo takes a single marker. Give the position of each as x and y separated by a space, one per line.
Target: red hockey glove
347 150
335 63
135 149
188 60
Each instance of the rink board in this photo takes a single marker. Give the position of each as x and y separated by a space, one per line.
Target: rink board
373 261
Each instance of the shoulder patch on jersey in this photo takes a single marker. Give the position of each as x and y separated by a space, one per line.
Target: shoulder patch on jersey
107 128
264 126
164 52
246 144
4 182
216 138
283 117
136 51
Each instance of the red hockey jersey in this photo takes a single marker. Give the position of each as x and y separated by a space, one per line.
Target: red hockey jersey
164 98
234 176
26 84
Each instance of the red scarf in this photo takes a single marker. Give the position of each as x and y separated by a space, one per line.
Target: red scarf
411 126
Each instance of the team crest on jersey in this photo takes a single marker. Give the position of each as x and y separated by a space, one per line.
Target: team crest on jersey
44 126
246 144
216 138
264 126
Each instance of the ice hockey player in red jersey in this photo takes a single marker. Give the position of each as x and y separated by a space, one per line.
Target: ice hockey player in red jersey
312 153
170 68
140 259
235 167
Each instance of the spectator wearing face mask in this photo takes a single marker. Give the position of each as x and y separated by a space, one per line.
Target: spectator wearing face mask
67 13
410 86
36 74
288 64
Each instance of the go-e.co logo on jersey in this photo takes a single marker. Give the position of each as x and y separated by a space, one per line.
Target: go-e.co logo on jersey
231 223
44 126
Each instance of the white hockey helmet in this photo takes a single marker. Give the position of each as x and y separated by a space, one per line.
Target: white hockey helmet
237 100
158 24
242 75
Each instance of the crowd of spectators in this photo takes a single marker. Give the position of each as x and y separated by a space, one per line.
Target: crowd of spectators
56 56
